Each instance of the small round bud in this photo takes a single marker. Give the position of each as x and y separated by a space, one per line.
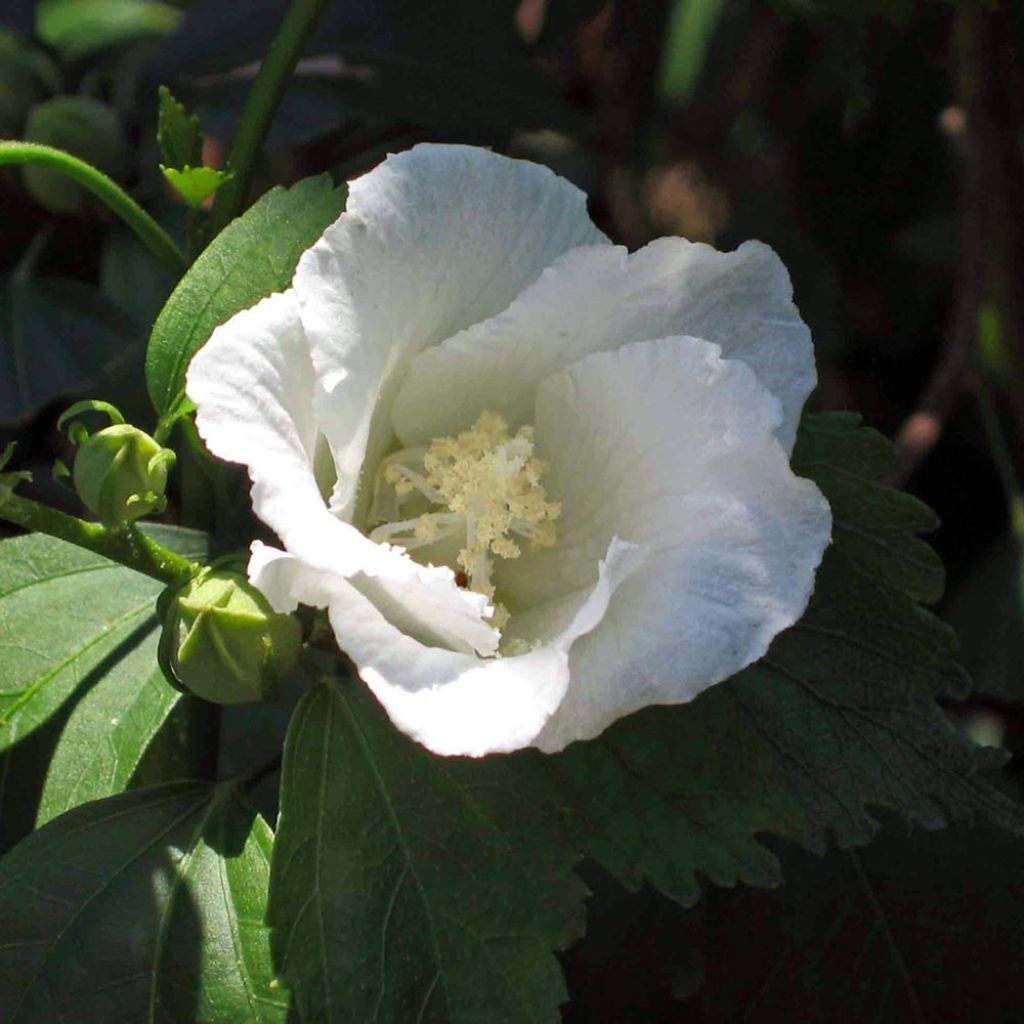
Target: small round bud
85 128
120 474
223 642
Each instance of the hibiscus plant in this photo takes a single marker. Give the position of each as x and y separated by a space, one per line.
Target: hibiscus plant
524 561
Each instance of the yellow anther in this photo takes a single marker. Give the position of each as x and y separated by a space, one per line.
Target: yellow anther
500 617
489 482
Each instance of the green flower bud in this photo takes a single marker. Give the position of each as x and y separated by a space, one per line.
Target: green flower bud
223 642
120 474
27 77
87 129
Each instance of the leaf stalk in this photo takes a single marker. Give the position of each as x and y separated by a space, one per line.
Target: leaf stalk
159 243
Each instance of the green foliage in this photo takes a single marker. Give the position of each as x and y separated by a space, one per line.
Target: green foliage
177 133
56 338
77 666
81 28
238 268
840 714
84 127
195 184
409 887
181 144
143 906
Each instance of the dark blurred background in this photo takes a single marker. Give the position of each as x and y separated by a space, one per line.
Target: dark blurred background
878 146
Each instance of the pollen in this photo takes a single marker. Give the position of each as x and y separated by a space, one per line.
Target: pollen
485 484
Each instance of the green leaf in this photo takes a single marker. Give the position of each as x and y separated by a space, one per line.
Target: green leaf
78 659
251 258
177 133
926 927
195 184
147 906
407 887
56 338
840 715
78 28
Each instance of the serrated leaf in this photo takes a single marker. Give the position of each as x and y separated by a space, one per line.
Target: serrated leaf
147 906
177 133
195 184
252 257
840 715
78 653
78 28
407 887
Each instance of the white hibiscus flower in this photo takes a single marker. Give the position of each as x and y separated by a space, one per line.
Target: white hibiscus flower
537 481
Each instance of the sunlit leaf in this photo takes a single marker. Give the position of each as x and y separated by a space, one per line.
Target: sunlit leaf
177 133
147 906
78 662
252 257
195 184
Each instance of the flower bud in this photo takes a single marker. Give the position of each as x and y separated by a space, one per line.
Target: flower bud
85 128
223 642
120 474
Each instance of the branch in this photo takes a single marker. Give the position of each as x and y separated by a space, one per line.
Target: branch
968 130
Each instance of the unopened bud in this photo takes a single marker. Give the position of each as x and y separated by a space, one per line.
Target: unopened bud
223 642
85 128
120 472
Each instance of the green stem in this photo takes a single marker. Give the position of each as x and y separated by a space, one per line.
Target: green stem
159 243
128 545
260 107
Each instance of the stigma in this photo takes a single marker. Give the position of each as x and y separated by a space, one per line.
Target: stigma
480 491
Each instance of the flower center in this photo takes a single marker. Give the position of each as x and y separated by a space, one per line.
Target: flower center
481 489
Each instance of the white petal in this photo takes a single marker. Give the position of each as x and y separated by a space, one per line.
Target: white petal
668 445
451 703
432 241
253 387
599 298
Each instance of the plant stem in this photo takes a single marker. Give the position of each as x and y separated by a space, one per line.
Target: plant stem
260 107
159 243
126 545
